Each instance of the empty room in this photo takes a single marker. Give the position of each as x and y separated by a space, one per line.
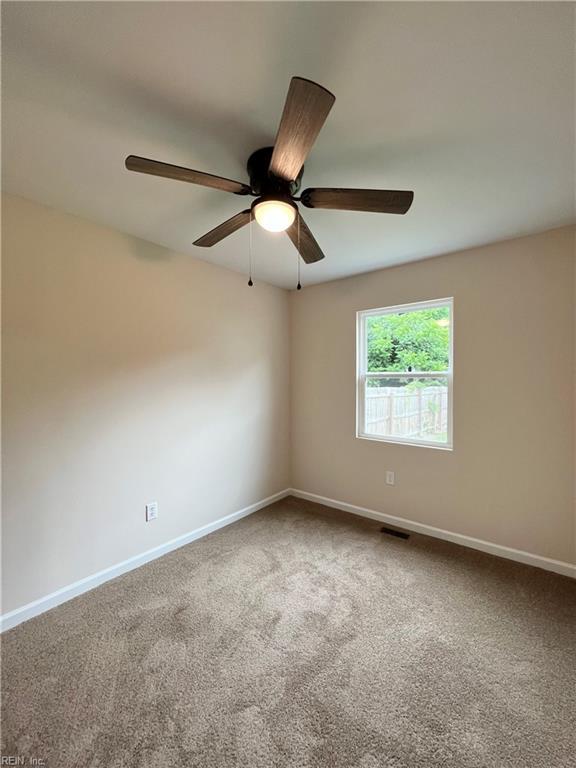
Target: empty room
288 384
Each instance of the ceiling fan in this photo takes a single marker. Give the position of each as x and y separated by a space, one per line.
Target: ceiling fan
276 175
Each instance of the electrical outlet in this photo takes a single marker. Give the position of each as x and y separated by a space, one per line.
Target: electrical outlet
389 478
151 511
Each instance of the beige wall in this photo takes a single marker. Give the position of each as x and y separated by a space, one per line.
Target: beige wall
509 479
131 374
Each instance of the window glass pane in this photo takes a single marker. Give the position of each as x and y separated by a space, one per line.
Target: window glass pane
410 409
417 340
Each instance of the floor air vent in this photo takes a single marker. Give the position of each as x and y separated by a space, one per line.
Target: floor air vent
394 532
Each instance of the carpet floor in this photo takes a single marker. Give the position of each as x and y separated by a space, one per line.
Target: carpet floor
301 637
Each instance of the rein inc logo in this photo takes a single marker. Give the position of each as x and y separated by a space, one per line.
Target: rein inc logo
21 760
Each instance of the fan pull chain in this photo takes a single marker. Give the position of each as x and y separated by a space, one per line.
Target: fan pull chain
298 287
250 283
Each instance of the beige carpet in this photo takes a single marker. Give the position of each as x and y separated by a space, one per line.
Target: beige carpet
302 637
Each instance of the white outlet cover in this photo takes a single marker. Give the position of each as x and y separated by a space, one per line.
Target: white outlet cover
389 478
151 511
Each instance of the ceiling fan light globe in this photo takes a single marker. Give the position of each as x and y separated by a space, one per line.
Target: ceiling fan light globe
274 215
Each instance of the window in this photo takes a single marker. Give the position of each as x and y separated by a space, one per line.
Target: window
404 374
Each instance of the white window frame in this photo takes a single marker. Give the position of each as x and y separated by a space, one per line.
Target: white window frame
362 374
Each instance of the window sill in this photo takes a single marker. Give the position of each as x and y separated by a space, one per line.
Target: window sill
400 441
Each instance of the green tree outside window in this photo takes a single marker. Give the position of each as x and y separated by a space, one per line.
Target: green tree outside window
409 341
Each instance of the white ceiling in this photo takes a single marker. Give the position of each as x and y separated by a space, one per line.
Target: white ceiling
471 105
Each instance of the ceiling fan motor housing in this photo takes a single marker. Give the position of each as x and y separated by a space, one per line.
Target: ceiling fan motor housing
265 183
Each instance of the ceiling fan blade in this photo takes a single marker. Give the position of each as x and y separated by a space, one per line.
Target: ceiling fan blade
223 230
306 245
305 111
155 168
374 200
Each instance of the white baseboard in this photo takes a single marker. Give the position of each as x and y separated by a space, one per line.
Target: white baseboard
557 566
18 615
